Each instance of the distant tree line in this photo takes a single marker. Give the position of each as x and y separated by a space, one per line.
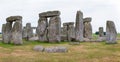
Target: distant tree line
97 33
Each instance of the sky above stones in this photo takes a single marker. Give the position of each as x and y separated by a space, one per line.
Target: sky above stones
99 10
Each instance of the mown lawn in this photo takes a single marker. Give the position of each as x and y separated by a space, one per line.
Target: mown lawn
85 52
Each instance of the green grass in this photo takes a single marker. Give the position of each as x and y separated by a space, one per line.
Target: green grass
85 52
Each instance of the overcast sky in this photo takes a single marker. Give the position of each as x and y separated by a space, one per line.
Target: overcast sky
99 10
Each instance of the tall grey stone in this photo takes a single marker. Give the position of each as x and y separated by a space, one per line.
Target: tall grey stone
7 32
101 36
42 29
101 32
79 26
54 29
17 33
64 32
70 31
24 33
65 29
3 31
87 28
111 32
29 31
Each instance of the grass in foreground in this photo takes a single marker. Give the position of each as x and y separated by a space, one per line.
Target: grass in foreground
85 52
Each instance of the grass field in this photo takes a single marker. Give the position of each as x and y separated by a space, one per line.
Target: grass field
85 52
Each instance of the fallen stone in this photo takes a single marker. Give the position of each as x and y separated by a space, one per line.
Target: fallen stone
38 48
59 49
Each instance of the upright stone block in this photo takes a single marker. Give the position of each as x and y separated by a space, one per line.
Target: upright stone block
101 35
7 33
111 32
29 31
79 26
101 32
65 29
87 28
42 29
17 33
54 29
70 31
3 31
24 33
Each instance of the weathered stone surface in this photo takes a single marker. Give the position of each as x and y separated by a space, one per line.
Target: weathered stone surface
3 31
49 14
13 18
70 31
34 38
111 32
86 40
54 29
64 33
13 33
101 39
87 19
29 31
101 32
24 32
17 33
42 29
65 29
7 33
38 48
79 26
59 49
87 28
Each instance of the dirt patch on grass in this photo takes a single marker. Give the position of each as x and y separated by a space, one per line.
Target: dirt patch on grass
79 48
22 53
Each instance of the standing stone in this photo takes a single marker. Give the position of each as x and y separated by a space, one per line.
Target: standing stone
87 28
101 32
7 33
54 29
24 33
65 29
17 32
101 35
79 26
111 32
64 32
3 31
42 29
29 31
70 31
13 33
